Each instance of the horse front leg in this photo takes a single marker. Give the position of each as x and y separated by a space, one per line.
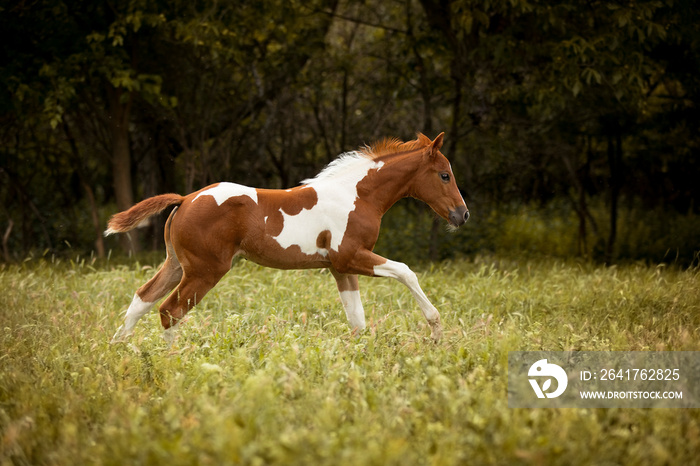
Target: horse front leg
349 289
368 263
402 273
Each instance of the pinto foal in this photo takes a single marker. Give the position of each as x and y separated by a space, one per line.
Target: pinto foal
330 221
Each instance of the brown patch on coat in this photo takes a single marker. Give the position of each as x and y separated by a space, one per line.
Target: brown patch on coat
298 199
323 240
290 201
274 223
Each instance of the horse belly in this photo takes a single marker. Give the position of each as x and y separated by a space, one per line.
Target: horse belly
302 242
262 249
286 259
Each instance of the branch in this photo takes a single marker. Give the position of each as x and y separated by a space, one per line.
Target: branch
361 21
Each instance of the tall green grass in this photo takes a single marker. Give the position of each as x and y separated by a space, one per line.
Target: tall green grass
265 370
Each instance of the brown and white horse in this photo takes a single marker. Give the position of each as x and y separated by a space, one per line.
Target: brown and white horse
330 221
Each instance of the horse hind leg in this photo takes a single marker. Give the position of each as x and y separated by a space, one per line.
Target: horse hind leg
195 284
167 277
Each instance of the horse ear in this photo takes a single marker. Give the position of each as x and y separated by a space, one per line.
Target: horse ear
436 144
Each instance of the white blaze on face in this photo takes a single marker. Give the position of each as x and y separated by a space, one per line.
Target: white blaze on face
336 190
224 191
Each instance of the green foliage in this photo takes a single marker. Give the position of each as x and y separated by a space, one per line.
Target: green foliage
265 370
532 96
655 236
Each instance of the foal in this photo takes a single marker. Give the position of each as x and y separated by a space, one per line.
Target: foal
330 221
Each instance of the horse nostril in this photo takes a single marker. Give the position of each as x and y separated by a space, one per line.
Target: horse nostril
459 216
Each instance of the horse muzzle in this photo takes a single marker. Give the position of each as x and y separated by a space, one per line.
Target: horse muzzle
459 216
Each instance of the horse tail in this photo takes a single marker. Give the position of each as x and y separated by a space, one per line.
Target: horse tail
129 219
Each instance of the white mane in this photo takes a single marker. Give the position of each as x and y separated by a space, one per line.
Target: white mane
347 165
343 164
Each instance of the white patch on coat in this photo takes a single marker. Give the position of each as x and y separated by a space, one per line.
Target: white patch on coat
224 191
336 190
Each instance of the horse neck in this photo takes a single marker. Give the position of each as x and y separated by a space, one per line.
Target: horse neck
393 181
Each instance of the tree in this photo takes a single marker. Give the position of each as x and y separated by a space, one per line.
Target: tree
103 104
562 76
86 52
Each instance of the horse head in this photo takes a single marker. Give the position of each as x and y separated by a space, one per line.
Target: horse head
435 185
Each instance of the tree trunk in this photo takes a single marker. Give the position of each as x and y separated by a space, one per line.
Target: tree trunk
580 178
615 163
119 110
582 210
423 75
427 129
94 212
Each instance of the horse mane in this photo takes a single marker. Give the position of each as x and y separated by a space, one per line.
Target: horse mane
374 151
390 146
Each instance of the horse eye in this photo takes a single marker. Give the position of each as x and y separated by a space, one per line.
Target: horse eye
445 177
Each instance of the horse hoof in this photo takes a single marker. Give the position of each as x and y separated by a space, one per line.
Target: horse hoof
436 332
120 336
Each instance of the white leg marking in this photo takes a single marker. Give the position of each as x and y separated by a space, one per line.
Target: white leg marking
170 334
353 309
402 273
137 309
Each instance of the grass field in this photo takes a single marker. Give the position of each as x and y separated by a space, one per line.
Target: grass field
265 371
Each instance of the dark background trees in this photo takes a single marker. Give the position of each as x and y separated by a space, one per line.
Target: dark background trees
586 111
